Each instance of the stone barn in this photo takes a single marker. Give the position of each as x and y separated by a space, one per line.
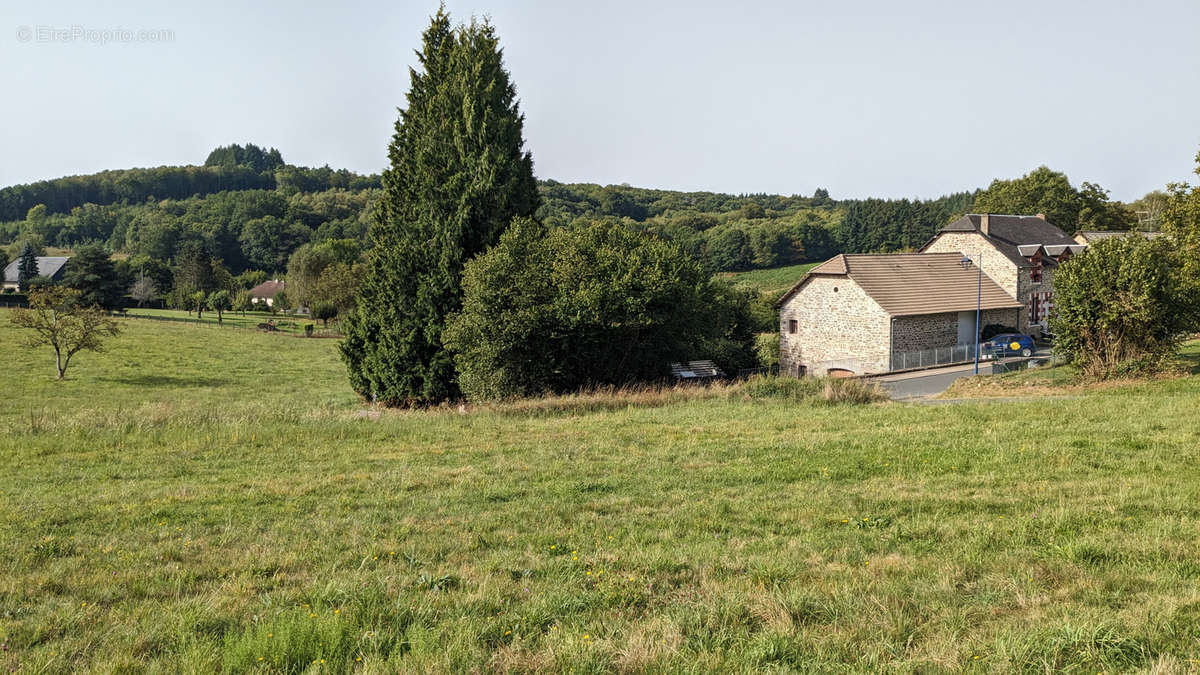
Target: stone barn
852 313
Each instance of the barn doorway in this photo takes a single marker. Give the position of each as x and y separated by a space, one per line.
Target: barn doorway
966 328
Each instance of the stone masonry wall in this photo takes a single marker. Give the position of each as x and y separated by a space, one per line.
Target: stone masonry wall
995 264
1027 287
838 326
930 331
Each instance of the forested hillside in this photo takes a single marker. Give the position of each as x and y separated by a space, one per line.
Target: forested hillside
248 209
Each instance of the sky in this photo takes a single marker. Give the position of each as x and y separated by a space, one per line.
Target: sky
864 99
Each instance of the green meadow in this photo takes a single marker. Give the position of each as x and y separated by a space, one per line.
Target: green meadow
204 499
775 281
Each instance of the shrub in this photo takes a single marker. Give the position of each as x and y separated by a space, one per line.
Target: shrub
569 309
766 348
323 312
1122 306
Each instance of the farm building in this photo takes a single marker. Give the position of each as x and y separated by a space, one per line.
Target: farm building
265 292
1019 253
50 267
855 314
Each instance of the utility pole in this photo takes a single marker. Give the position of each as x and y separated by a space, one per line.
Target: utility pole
978 313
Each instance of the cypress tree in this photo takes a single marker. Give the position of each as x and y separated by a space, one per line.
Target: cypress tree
458 175
27 268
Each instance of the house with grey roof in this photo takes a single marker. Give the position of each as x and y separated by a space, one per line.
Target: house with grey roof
856 314
51 267
1018 253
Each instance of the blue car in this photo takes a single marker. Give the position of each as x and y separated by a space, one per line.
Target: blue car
1008 344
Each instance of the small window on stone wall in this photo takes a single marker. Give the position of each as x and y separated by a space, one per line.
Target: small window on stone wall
835 289
793 326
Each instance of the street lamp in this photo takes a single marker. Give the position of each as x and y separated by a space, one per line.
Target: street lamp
966 262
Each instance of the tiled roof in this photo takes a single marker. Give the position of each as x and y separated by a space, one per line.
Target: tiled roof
267 289
906 284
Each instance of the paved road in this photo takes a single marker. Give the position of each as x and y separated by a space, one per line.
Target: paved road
921 383
927 382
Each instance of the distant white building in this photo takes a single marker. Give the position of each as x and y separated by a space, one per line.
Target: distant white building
265 292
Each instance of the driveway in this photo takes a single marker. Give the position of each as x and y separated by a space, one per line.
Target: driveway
924 383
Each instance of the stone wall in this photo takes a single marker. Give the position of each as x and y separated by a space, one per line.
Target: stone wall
838 326
1027 287
931 331
995 264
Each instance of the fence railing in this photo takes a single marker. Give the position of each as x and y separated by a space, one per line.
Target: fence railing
926 358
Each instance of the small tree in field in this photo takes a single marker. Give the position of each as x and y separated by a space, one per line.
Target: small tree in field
281 302
218 301
58 320
197 301
323 312
143 290
242 302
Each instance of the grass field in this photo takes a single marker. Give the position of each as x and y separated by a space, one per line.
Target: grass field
216 500
774 281
287 323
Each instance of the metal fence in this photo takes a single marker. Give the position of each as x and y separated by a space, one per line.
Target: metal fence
926 358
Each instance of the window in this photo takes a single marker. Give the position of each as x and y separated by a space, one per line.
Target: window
793 326
1035 275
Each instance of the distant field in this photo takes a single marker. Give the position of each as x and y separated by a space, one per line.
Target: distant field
288 323
200 499
774 281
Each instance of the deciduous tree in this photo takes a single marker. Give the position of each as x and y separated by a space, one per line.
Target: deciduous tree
558 311
219 302
143 290
1122 306
58 319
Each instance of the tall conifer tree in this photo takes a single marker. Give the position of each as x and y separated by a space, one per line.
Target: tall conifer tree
459 174
27 268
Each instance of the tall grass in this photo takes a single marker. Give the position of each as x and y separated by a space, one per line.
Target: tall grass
196 500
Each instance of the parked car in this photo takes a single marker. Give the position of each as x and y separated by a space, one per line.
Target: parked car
1008 344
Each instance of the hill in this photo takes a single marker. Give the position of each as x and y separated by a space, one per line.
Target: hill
250 209
216 499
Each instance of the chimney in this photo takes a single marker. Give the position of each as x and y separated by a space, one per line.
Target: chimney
983 224
1042 216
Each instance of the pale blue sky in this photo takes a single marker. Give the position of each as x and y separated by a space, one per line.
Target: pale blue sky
864 98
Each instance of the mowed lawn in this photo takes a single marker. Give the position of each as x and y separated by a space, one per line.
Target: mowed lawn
201 499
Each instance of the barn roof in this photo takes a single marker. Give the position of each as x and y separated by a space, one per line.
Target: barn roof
49 266
267 289
907 284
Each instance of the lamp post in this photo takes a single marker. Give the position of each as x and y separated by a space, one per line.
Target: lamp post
966 262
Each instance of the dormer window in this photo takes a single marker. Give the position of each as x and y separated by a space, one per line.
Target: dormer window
1035 274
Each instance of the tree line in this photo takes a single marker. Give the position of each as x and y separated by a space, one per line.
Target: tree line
228 168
